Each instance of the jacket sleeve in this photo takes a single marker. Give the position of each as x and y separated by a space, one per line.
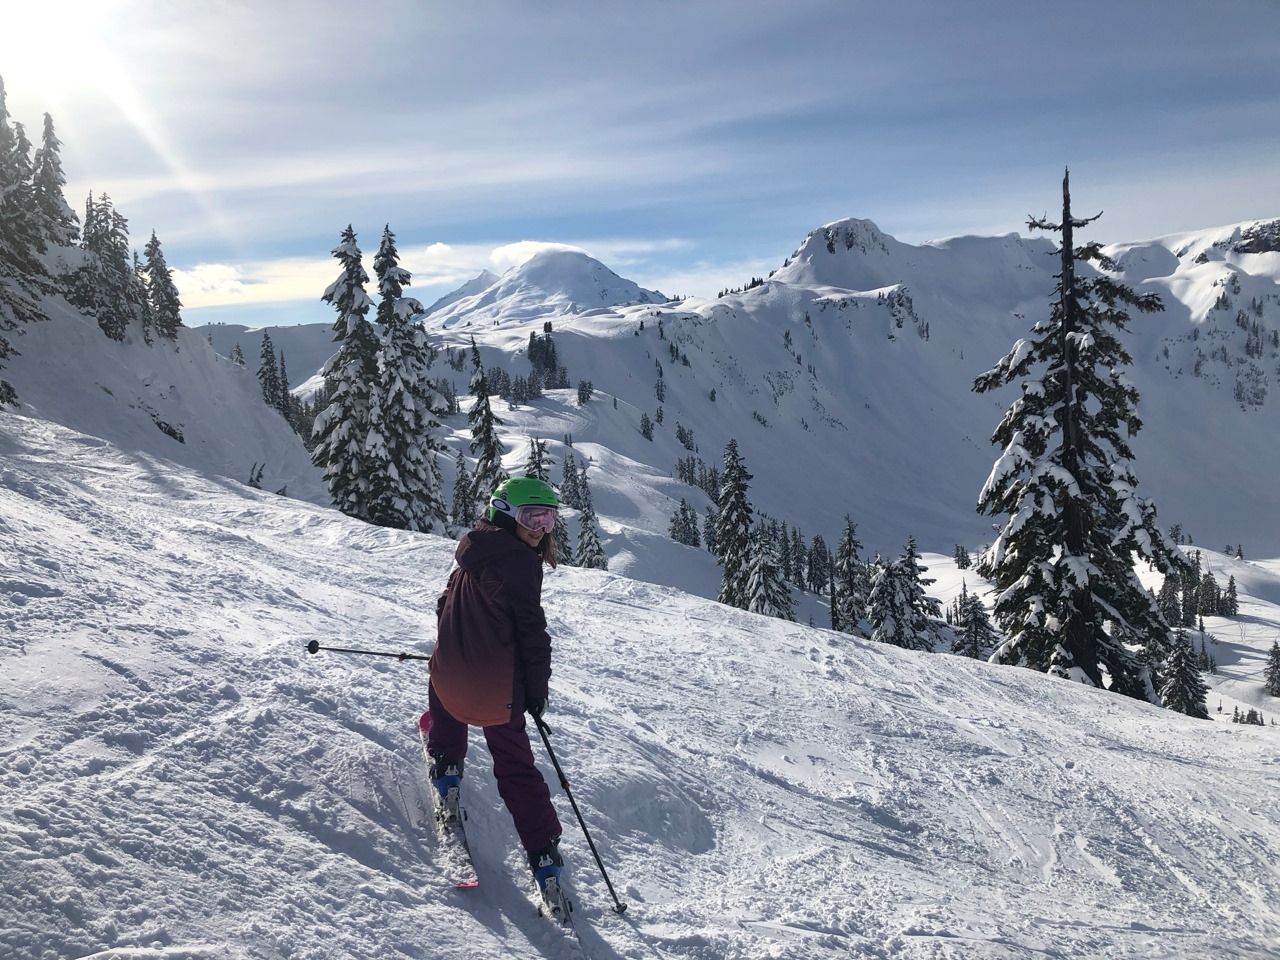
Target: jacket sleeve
440 600
533 643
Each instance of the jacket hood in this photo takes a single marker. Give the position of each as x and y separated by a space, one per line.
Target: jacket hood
487 544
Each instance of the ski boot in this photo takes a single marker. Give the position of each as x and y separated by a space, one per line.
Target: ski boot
446 777
547 864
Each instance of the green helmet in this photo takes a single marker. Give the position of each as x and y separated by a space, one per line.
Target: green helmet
517 492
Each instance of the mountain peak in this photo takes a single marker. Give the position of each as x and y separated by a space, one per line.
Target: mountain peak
550 283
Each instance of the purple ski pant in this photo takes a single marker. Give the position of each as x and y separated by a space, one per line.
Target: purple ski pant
520 783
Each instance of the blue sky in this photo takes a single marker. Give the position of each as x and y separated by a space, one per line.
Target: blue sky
689 145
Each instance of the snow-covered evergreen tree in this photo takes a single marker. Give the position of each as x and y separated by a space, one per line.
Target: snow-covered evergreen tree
104 286
570 483
709 530
733 528
23 278
819 569
1169 601
287 399
561 535
1067 597
925 610
58 221
1271 674
464 512
340 429
403 440
975 636
140 299
269 373
237 355
589 553
852 585
1183 688
539 464
166 306
1231 599
684 525
888 608
766 591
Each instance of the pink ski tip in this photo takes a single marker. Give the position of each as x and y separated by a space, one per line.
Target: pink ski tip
467 884
424 722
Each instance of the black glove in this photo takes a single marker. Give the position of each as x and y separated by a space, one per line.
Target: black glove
535 707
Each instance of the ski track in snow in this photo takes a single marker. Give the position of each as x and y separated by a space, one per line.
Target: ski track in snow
180 780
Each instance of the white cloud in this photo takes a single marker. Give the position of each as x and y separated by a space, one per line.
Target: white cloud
511 255
272 281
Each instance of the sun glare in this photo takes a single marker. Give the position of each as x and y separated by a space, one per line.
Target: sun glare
54 50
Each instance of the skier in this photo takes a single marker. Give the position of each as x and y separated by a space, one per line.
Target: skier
492 664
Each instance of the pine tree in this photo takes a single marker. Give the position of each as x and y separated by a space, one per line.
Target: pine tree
766 592
1170 603
925 610
1190 590
1272 672
1183 688
646 426
852 586
709 521
733 528
590 553
888 608
1210 597
58 221
23 278
237 355
165 303
976 637
570 484
819 571
1231 600
140 300
1063 562
485 445
684 525
560 533
961 557
269 373
340 430
286 396
403 441
464 512
539 464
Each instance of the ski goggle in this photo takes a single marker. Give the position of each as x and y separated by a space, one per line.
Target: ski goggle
537 518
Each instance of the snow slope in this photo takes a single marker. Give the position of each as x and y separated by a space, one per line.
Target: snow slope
179 779
176 400
306 346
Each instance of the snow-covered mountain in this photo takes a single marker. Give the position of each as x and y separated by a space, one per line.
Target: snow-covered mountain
846 379
179 780
477 284
177 401
549 284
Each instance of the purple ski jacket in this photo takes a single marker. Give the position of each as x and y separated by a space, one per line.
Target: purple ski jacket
492 647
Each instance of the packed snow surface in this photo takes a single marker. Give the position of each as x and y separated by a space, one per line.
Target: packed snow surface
179 779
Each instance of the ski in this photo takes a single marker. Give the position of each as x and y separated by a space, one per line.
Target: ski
451 834
555 905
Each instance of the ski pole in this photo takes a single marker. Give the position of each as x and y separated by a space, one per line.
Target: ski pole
314 647
543 729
